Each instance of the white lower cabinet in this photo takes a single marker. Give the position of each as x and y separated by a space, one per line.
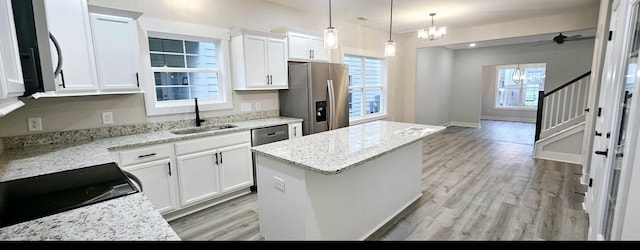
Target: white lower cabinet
198 177
158 183
213 166
234 173
295 130
154 166
205 169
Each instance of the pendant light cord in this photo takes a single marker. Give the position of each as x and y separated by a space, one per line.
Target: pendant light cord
391 21
330 14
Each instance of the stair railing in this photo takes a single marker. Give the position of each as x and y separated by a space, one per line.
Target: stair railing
560 106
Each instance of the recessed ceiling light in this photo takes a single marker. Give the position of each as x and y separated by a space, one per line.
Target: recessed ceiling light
472 45
362 18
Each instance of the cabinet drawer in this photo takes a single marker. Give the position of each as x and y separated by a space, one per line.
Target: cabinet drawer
145 154
212 142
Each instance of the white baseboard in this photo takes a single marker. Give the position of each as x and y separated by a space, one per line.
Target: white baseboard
561 157
464 124
509 119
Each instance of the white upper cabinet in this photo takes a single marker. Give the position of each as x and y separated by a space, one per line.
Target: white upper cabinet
91 53
115 42
304 47
259 60
68 23
11 81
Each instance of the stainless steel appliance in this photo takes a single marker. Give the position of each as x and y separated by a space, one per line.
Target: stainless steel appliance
263 136
319 94
38 196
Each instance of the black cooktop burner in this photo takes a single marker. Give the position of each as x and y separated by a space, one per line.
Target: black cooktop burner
34 197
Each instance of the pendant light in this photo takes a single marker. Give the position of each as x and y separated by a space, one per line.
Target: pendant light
390 46
517 75
432 32
330 34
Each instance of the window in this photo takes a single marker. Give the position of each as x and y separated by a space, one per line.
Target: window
366 90
184 68
522 94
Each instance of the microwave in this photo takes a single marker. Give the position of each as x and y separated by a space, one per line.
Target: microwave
35 44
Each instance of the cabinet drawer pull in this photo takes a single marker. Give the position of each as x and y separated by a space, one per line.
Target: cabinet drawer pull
145 156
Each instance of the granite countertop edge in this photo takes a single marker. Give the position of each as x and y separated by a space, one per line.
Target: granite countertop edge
348 165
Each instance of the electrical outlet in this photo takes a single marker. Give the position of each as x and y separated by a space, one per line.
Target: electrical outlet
35 124
245 106
278 183
258 106
107 118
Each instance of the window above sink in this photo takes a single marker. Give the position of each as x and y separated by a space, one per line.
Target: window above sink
184 62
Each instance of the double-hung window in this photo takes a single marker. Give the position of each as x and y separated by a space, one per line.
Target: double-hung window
185 68
518 85
366 86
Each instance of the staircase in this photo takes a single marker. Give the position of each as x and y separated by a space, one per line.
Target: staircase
561 120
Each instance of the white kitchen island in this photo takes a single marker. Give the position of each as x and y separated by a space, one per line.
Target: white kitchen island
342 184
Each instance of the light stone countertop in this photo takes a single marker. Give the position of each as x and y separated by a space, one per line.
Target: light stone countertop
335 151
126 218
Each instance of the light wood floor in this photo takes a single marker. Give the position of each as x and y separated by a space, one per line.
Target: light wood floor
478 184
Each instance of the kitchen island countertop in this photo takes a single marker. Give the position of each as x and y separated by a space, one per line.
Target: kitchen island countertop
130 217
338 150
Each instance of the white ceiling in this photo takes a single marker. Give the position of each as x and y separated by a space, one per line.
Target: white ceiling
411 15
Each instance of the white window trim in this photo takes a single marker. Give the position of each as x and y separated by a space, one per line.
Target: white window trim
184 31
382 115
495 87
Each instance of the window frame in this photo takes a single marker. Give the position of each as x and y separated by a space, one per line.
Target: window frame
382 114
189 32
521 87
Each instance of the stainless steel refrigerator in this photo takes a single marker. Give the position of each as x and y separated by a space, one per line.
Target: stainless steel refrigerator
319 94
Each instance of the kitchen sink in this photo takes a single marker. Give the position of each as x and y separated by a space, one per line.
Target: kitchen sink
194 130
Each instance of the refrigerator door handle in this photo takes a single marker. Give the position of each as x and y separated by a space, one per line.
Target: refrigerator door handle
332 102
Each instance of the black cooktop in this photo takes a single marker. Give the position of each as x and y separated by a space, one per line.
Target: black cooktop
34 197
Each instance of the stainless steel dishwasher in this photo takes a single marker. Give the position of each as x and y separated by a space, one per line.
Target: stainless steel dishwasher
263 136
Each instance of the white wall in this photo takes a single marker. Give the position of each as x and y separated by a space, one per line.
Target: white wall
564 63
84 112
433 85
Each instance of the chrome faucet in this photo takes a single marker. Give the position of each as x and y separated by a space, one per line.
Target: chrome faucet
198 120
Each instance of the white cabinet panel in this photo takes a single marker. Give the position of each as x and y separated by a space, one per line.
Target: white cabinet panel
306 48
256 60
11 82
259 60
116 49
68 22
198 177
278 69
295 130
319 53
158 183
235 167
299 46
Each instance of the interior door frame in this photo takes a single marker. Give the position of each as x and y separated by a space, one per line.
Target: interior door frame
611 94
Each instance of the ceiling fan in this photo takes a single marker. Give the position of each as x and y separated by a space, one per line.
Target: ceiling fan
560 39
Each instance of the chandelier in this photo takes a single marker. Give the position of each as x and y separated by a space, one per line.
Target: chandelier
433 32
